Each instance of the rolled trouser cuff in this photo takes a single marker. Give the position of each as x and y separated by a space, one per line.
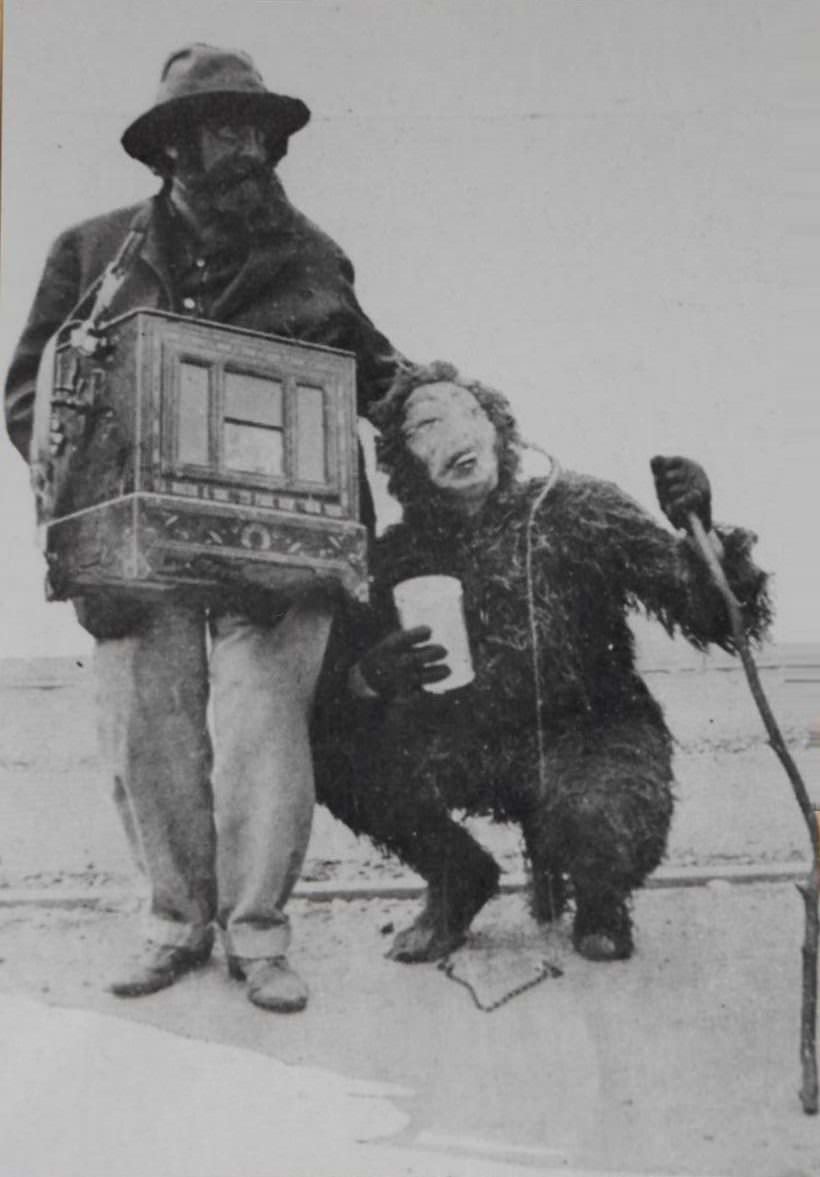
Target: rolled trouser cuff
177 934
254 943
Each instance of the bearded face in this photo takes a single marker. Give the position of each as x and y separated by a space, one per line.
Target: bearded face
223 175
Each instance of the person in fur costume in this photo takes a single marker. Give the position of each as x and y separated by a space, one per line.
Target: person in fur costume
557 732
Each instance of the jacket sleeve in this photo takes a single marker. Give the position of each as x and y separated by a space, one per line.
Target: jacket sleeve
323 278
54 301
666 575
377 359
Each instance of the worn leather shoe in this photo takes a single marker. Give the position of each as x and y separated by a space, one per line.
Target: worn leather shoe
158 967
272 983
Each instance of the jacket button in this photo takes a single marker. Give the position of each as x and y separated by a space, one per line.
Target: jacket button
189 304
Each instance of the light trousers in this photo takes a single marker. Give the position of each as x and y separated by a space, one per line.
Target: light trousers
218 826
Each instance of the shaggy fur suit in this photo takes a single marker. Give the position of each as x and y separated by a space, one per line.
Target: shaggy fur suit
596 810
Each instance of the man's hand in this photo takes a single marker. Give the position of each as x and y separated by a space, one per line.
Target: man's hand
402 662
682 486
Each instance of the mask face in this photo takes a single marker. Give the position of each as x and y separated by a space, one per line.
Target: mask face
448 432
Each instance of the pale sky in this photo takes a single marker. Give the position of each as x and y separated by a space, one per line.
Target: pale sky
608 208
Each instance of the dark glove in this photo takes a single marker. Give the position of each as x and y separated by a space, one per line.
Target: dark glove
682 486
402 662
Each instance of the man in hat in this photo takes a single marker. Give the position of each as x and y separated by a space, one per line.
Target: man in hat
221 834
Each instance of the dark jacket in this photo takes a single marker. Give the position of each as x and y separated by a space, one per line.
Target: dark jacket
296 282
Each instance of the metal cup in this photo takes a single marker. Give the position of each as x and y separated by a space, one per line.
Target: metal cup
437 601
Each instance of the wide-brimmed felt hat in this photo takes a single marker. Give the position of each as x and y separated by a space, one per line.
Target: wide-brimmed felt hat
201 80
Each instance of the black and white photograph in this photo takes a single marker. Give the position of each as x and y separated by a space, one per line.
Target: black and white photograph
409 643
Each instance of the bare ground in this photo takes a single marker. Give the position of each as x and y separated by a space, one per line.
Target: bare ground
734 801
681 1061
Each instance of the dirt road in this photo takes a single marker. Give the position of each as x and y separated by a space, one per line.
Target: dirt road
681 1061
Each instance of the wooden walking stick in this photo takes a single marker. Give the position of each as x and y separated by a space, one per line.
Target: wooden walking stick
811 887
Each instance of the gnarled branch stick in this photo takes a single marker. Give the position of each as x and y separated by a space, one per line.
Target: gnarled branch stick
810 889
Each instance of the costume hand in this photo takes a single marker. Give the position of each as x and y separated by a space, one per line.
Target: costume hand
402 662
682 486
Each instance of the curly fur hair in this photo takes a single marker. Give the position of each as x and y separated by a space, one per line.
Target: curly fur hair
408 480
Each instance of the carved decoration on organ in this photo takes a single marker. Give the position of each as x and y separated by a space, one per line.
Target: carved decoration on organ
187 453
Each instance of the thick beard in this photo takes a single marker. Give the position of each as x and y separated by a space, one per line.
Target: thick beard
237 198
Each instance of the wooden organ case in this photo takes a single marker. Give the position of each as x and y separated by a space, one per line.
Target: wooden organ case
184 454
